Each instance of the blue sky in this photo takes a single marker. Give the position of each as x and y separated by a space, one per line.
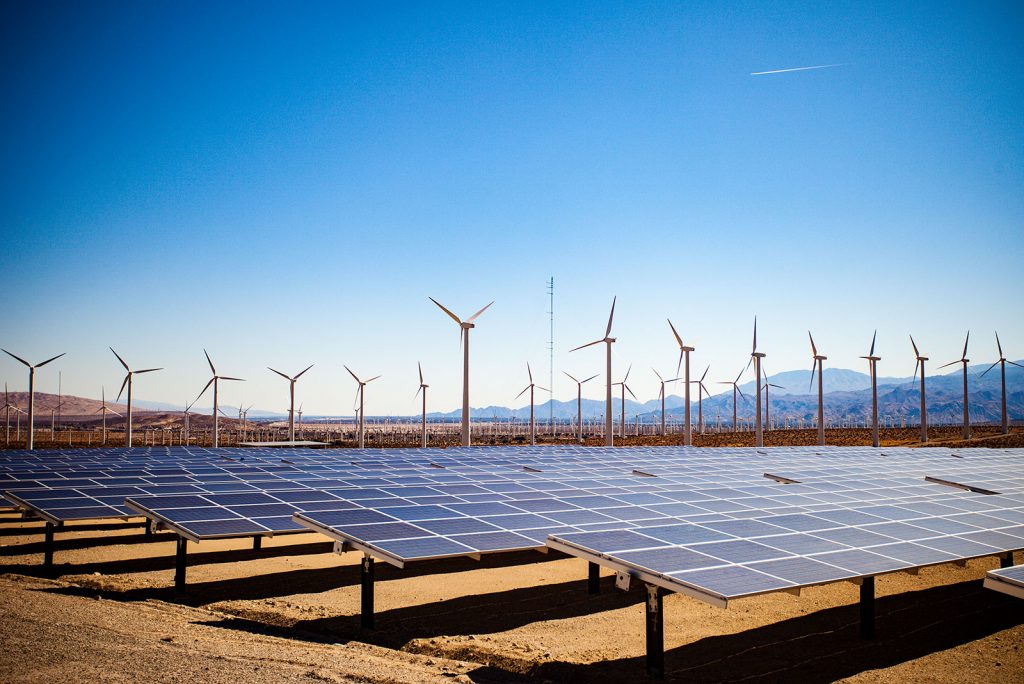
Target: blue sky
287 184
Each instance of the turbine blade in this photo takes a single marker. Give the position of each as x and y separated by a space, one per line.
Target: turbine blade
214 370
624 385
917 365
148 370
679 364
572 378
454 317
225 377
814 350
658 374
872 352
522 393
304 370
990 368
755 336
421 371
352 374
477 314
594 376
543 389
123 384
1014 363
372 379
998 345
626 377
19 358
584 346
678 338
280 373
529 372
916 353
418 390
49 360
204 390
814 367
949 364
121 360
608 330
705 373
965 344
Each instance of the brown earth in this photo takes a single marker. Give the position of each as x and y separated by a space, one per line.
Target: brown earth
289 612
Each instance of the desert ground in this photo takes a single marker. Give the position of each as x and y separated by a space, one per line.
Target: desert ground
289 612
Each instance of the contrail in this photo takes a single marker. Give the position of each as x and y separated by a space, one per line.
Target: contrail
807 68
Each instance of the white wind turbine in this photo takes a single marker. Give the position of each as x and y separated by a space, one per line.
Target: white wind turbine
817 363
215 381
464 328
964 360
7 411
735 388
104 409
1001 362
423 418
609 435
32 392
755 357
625 388
291 394
924 409
684 354
661 396
873 371
701 391
128 382
531 387
767 403
362 386
579 404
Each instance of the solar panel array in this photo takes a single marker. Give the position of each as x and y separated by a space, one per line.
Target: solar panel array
1007 580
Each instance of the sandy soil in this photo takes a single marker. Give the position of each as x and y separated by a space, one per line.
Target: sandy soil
289 612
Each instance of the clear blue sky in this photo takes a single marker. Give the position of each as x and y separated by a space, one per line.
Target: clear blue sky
286 183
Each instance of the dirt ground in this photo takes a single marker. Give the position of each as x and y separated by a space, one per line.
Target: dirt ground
289 612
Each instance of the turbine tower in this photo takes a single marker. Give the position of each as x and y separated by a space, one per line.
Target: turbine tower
625 388
531 386
128 382
215 381
1002 373
873 371
817 363
684 355
362 385
104 409
423 420
701 390
919 363
579 404
661 396
964 360
291 405
464 328
609 436
735 388
755 358
32 392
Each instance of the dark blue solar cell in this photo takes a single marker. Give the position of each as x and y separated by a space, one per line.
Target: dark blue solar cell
477 509
731 581
456 526
304 495
353 516
543 505
642 498
1004 542
740 551
522 521
849 517
580 517
668 559
677 509
241 498
181 515
593 502
745 528
495 541
412 491
802 571
855 537
333 505
800 523
802 543
430 547
280 524
381 531
223 528
684 534
420 512
83 512
357 493
612 541
913 553
167 502
861 562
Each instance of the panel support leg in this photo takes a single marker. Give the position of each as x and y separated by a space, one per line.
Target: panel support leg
867 608
48 546
366 578
257 543
1006 560
655 632
180 563
593 578
148 526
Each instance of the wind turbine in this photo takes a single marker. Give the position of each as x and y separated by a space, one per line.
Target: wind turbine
625 388
873 371
7 411
579 404
362 385
661 395
291 406
817 363
924 409
964 360
755 358
32 391
767 408
735 388
701 390
423 419
609 436
684 354
105 410
531 386
464 328
215 381
1002 372
128 382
